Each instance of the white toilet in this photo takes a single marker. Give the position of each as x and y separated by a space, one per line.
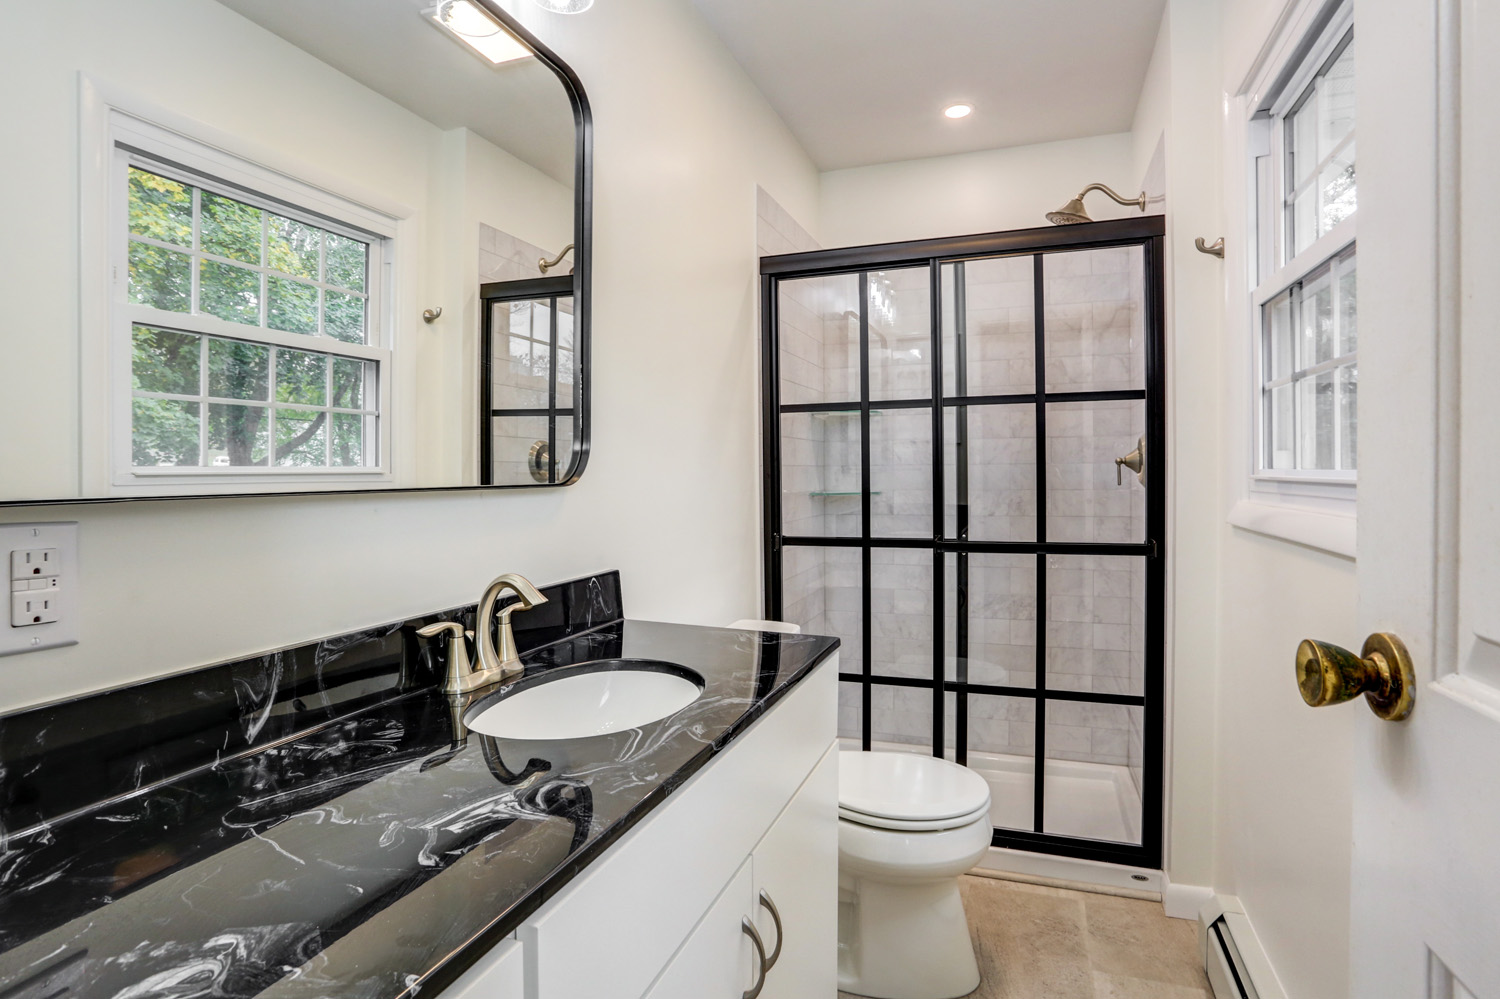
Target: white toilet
909 825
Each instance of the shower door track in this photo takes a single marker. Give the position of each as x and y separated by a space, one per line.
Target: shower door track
1147 233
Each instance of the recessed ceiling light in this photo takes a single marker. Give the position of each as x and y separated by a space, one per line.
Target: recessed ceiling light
473 25
958 110
565 6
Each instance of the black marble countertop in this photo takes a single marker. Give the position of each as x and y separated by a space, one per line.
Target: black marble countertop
376 852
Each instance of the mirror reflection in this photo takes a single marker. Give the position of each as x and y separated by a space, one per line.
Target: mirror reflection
291 240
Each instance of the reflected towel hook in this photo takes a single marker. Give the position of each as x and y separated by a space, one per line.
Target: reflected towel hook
430 316
1214 249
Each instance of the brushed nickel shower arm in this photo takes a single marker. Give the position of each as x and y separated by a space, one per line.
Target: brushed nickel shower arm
1073 212
1139 201
545 265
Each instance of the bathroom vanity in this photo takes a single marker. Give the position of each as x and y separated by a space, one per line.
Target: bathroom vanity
321 821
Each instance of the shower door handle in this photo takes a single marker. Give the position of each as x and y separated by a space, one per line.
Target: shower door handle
1135 461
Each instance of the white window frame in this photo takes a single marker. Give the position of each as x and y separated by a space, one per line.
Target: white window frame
118 131
1310 507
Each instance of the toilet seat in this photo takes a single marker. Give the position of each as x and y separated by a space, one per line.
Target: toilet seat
913 825
907 791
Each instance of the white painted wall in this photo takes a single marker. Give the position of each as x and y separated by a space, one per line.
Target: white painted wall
168 586
987 191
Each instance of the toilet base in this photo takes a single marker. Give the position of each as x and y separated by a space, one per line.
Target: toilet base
904 941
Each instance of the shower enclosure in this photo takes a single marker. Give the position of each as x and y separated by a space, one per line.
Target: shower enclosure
530 392
942 423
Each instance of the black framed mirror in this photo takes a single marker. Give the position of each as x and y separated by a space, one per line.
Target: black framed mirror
276 281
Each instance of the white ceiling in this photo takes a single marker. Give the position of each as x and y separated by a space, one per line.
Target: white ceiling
388 46
865 81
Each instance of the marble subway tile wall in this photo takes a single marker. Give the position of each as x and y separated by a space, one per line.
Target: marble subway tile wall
503 257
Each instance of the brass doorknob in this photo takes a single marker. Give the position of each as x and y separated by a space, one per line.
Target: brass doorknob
1328 674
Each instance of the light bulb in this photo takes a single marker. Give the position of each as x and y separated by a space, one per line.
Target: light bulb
465 19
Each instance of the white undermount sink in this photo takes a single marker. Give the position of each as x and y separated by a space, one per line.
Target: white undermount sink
598 698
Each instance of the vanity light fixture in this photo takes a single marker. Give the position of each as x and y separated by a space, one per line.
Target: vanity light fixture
958 110
476 28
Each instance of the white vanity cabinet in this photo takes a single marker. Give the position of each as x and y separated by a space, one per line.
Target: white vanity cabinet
659 914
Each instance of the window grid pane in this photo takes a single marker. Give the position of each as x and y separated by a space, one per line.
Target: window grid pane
195 251
1319 134
1310 368
251 394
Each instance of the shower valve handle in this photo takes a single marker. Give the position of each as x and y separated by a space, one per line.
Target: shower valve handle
1135 461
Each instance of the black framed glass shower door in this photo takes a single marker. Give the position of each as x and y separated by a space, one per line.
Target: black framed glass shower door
941 423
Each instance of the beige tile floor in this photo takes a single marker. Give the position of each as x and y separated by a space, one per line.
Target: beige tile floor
1035 942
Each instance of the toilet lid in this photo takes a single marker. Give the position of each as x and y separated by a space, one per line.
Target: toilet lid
914 825
909 787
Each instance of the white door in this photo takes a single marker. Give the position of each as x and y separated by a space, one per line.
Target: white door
1426 874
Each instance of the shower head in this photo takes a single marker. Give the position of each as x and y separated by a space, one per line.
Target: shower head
1070 214
1073 212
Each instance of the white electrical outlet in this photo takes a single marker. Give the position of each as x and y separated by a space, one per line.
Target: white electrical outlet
28 608
43 586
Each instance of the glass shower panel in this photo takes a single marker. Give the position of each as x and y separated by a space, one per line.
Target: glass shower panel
1094 325
901 718
901 473
851 708
1086 499
520 352
989 470
822 591
820 475
989 327
511 447
818 333
899 306
991 620
1002 749
1096 623
1093 771
901 622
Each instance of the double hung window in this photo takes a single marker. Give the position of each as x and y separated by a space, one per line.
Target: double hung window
1306 364
249 334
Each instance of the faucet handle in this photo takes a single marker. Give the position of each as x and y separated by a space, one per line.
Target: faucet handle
459 667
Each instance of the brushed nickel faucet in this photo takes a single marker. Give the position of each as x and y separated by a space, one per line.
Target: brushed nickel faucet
495 664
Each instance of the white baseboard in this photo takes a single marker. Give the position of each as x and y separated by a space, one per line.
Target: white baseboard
1184 901
1070 869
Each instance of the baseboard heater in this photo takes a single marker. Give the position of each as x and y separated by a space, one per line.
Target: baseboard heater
1233 958
1226 969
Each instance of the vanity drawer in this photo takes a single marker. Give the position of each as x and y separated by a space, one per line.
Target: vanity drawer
612 932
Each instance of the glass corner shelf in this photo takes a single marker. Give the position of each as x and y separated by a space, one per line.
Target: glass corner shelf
831 493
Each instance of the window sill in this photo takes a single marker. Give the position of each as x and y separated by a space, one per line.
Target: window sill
1329 532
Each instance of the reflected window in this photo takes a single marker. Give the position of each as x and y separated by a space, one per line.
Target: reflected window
252 328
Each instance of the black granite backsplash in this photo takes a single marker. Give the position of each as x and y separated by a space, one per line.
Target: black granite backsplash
62 757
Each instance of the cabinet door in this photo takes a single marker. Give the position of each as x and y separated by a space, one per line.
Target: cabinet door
500 974
796 865
717 961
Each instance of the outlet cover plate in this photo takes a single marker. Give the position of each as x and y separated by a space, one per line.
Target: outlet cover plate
64 630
